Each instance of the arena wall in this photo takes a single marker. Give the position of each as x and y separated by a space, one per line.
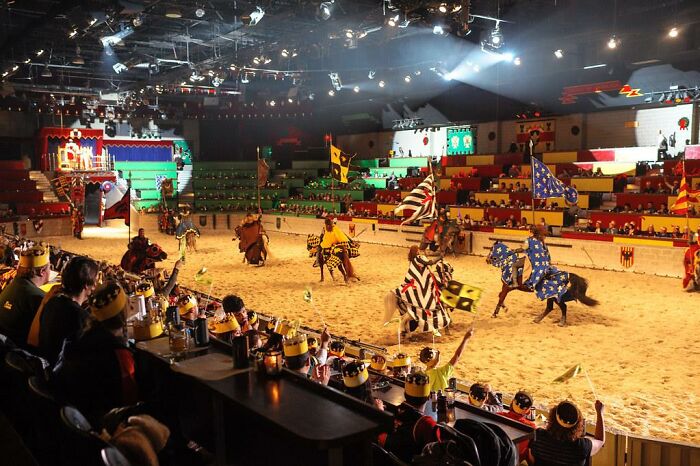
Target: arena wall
51 227
663 260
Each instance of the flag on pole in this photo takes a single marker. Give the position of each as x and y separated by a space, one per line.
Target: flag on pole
686 196
340 164
461 296
263 172
546 185
203 277
569 374
120 209
421 200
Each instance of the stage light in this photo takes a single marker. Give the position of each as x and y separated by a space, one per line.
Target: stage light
290 100
393 21
673 32
15 68
173 13
285 53
331 92
508 56
78 60
381 84
199 12
5 73
39 52
371 74
137 21
325 10
244 78
92 22
256 16
407 78
613 42
438 30
73 33
119 67
272 103
217 81
349 34
442 8
517 61
417 72
356 89
496 37
559 53
27 61
335 81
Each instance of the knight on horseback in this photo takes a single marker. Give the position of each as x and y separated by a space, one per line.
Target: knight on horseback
186 233
139 244
434 234
691 264
253 241
333 249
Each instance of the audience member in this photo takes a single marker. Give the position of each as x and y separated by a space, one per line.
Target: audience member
440 375
357 383
481 396
520 410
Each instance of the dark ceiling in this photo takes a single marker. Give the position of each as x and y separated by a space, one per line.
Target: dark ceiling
289 53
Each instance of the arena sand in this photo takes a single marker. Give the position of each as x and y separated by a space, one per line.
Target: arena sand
640 346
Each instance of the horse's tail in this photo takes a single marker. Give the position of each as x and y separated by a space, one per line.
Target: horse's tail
579 286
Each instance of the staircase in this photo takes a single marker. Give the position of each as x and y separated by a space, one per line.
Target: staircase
43 185
185 186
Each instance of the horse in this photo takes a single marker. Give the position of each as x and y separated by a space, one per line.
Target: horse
191 240
253 242
414 316
338 257
137 262
555 286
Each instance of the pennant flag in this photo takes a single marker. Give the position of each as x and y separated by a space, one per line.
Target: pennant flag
421 199
263 172
569 374
545 184
340 164
308 296
203 277
461 296
685 197
120 209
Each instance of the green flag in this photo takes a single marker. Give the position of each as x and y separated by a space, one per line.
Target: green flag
202 277
569 374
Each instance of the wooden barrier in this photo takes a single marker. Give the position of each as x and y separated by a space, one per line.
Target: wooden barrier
602 184
652 452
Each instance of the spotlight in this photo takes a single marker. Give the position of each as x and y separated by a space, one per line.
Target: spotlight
73 33
256 16
173 13
381 84
217 81
442 8
438 30
371 74
348 33
27 61
407 78
508 56
517 61
199 12
119 67
417 72
285 53
290 100
272 103
495 37
39 52
393 21
673 32
335 81
137 21
325 10
244 78
613 42
559 53
92 22
331 92
356 89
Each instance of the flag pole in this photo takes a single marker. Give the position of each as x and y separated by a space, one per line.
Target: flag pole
532 188
128 206
330 149
257 169
687 219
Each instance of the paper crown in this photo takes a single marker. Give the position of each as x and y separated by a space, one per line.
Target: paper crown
378 362
477 395
252 317
428 354
417 385
401 360
107 301
227 323
337 348
312 342
186 303
144 289
355 374
567 414
36 256
522 402
296 346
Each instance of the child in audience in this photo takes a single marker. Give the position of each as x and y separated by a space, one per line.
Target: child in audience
440 376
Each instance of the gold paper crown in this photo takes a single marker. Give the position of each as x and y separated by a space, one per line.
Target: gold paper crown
36 256
567 423
186 303
477 395
226 324
355 374
417 385
337 348
312 342
144 289
378 362
252 317
522 402
401 360
107 301
296 346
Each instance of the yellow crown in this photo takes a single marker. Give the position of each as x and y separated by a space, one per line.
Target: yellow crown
565 423
427 355
145 331
186 303
36 256
522 402
378 362
401 360
417 385
227 324
107 301
312 342
355 374
252 317
337 349
145 289
296 346
477 395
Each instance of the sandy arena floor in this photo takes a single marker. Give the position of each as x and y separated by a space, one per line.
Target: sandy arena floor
639 346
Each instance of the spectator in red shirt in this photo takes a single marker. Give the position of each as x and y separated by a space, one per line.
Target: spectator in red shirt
520 409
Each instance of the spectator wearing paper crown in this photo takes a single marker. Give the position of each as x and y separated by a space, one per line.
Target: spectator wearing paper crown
563 441
481 396
440 375
412 428
357 383
187 307
297 359
20 300
520 408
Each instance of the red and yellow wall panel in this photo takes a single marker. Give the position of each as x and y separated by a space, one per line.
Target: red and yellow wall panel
559 157
386 208
481 159
594 185
551 217
641 241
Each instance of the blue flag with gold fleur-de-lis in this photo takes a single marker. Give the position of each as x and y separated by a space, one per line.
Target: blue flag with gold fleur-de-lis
546 280
545 184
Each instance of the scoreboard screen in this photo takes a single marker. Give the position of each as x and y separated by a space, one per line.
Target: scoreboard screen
460 140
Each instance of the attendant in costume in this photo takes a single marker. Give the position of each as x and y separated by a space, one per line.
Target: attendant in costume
186 233
20 300
252 239
412 428
418 298
691 264
441 375
77 222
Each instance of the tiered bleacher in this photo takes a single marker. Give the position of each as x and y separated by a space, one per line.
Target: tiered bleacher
19 194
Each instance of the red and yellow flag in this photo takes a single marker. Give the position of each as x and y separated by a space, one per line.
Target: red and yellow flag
686 196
